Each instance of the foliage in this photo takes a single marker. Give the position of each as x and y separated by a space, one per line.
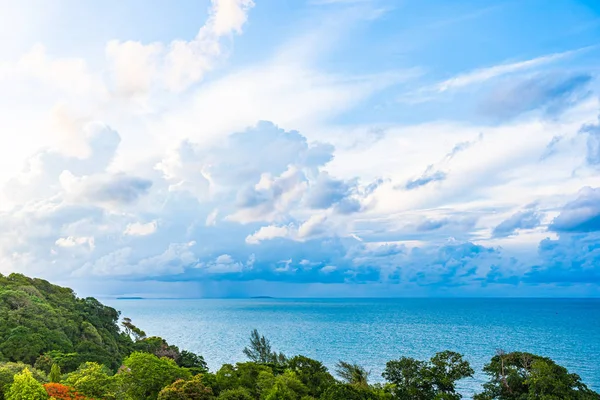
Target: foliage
91 379
193 361
526 376
285 387
425 380
260 350
235 394
62 392
9 370
38 317
66 361
346 391
25 387
160 348
132 330
312 373
352 373
192 389
245 375
54 373
144 375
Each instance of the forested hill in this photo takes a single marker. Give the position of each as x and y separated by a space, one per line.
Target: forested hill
38 317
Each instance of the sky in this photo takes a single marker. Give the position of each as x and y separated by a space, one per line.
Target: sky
302 148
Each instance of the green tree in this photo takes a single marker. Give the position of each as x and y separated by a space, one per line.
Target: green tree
10 369
427 380
144 375
192 361
22 344
353 374
40 318
157 346
235 394
132 330
91 379
345 391
54 373
286 387
312 373
526 376
25 387
245 375
260 350
192 389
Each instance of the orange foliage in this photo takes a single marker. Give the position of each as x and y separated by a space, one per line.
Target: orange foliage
63 392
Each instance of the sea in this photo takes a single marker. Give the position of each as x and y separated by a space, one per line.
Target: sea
371 332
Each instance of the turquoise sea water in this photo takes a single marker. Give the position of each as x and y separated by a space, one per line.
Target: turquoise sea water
372 331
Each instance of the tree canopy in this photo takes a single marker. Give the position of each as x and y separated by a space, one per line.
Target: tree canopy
526 376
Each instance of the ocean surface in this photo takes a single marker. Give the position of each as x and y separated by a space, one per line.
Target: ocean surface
372 331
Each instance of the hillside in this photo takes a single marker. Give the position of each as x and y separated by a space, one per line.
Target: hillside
39 317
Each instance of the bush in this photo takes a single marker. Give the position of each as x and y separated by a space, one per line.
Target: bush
25 387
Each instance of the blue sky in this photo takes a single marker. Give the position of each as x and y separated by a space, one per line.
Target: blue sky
302 148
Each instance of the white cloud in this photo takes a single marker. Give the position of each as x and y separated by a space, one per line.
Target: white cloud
136 67
75 241
67 75
223 264
211 220
133 65
484 74
141 229
314 226
328 268
267 233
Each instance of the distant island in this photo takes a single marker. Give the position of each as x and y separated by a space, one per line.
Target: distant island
262 297
130 298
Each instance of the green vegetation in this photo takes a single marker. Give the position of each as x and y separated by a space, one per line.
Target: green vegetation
527 376
54 345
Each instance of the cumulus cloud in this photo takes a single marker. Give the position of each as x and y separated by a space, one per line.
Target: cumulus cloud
313 227
265 173
136 67
87 205
267 233
41 175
